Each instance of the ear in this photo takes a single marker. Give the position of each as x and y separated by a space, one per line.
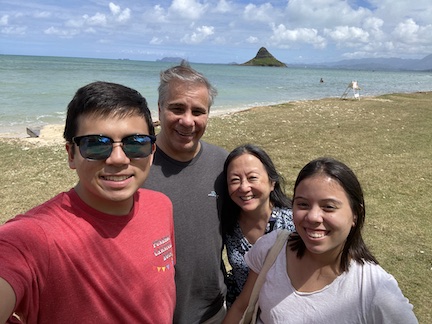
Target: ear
151 157
272 185
70 149
354 221
159 111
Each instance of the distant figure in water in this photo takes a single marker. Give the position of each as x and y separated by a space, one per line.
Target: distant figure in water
321 80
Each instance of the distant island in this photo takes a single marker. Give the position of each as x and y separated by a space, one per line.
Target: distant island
264 58
170 59
374 64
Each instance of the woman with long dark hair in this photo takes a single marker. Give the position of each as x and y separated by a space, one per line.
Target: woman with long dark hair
257 205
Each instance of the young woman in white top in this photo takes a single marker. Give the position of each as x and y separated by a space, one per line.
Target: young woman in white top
325 273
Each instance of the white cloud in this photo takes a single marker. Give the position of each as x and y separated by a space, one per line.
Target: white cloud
8 30
342 34
156 41
263 13
189 9
252 40
407 31
373 23
98 19
286 37
199 35
124 16
410 32
61 32
223 6
4 20
115 9
159 14
120 15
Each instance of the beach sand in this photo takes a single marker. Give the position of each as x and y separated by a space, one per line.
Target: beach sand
49 135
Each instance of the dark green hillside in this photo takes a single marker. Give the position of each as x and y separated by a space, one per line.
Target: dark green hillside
264 58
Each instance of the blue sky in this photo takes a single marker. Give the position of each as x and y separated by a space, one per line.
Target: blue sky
217 31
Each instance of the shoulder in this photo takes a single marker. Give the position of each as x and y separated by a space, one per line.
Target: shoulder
283 218
42 214
149 194
256 255
388 304
282 212
211 149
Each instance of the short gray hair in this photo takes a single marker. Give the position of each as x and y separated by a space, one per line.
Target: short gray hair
184 73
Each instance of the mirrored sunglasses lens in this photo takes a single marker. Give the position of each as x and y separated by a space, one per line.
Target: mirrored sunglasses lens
96 147
137 146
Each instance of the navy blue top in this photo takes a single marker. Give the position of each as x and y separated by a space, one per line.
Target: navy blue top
237 245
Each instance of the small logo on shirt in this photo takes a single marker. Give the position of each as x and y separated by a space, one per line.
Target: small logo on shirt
213 194
162 250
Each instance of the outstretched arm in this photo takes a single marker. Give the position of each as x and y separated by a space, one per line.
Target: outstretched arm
236 311
7 300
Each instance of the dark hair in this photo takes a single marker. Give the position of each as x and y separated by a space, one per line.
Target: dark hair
278 198
105 99
184 73
354 248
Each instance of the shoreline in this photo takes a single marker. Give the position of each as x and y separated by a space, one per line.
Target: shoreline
53 133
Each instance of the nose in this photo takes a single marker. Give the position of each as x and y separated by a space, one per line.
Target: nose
187 119
244 185
117 156
314 215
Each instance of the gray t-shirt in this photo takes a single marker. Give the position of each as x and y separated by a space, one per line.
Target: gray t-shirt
195 189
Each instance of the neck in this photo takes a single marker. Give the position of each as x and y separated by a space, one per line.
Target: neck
178 155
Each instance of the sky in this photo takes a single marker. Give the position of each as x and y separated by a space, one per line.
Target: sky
217 31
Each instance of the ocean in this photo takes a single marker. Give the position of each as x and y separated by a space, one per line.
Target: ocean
35 90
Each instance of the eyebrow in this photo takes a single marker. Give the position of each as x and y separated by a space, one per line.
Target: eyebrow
336 201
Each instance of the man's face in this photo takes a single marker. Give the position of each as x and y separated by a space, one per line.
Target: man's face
109 185
183 120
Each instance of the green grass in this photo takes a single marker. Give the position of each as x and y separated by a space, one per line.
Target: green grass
386 140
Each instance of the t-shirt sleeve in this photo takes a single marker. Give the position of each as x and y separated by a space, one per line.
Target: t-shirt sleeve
390 306
256 255
23 255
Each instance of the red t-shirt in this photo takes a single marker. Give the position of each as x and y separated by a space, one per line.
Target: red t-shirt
68 262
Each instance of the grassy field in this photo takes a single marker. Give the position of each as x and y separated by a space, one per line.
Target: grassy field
386 140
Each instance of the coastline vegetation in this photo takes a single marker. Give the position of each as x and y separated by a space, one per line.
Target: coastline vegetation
386 140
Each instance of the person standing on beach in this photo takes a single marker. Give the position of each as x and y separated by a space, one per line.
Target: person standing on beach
189 171
257 206
103 252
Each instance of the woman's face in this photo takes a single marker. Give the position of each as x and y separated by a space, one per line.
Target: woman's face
248 183
322 214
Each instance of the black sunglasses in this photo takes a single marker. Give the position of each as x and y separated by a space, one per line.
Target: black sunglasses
99 147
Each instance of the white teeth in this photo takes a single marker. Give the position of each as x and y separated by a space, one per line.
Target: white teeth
316 234
116 178
246 198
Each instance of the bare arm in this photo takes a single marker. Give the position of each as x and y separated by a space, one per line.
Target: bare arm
7 300
236 311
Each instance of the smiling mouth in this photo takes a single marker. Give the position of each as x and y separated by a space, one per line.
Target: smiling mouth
316 234
247 198
184 134
116 178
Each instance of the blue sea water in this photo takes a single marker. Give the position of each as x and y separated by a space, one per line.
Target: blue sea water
35 91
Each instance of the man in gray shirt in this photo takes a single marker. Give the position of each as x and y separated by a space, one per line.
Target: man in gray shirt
189 170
